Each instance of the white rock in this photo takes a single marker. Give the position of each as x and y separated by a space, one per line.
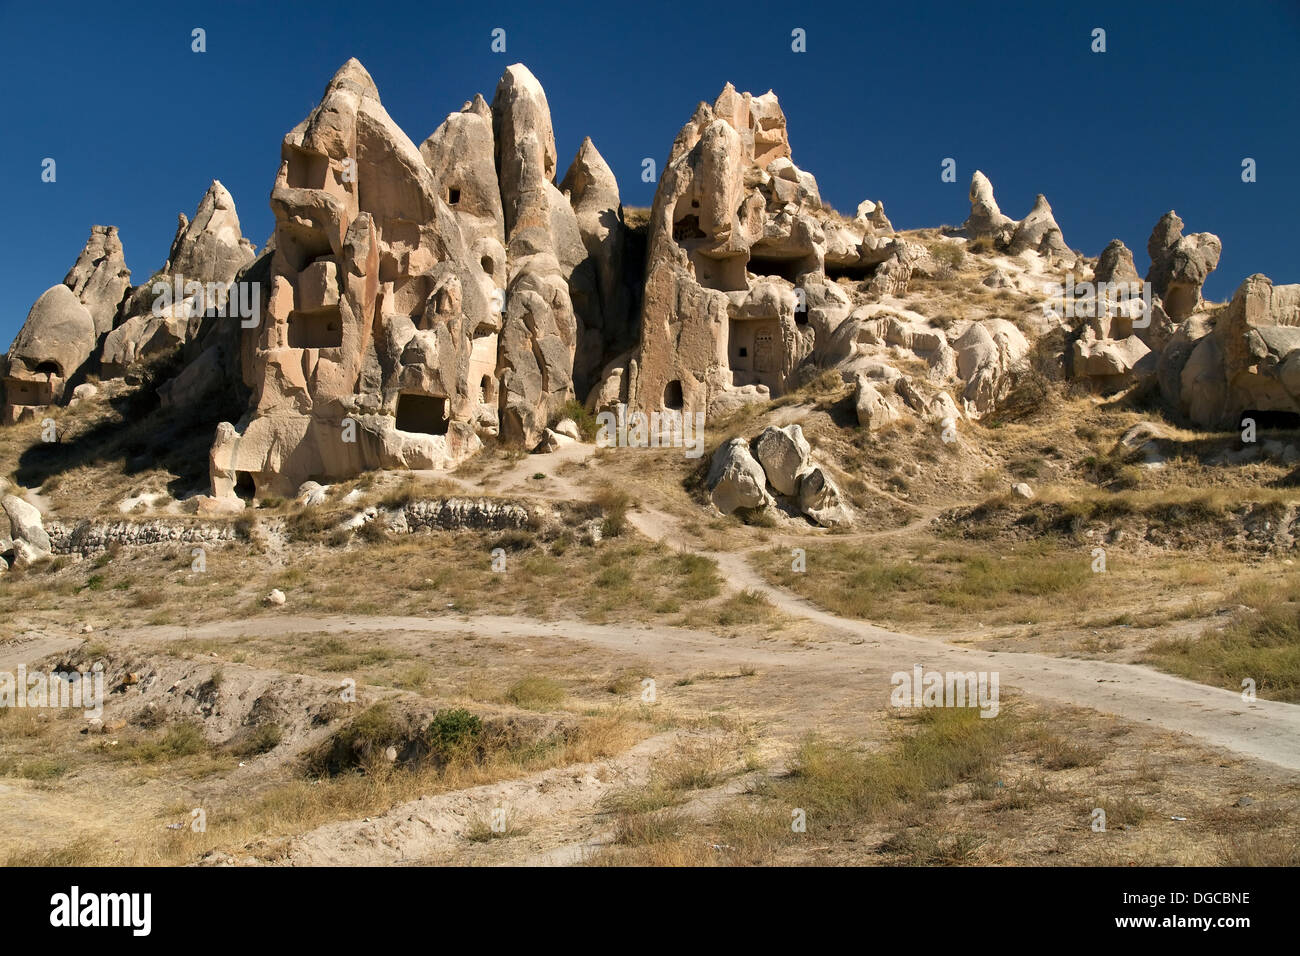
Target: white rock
569 428
276 597
735 479
783 453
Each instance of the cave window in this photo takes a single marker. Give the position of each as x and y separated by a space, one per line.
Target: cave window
422 414
787 269
487 264
673 399
48 368
744 352
453 196
316 330
244 486
801 317
485 389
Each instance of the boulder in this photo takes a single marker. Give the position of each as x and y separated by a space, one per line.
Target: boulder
820 499
987 354
568 428
783 453
873 411
25 524
735 479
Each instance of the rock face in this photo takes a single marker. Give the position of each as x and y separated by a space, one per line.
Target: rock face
55 341
986 220
1180 265
99 278
738 236
207 255
1115 265
1037 232
362 359
1248 363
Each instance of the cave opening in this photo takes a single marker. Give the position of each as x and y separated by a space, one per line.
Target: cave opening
422 414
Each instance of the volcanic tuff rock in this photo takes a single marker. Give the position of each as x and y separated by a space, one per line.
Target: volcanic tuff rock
414 301
1180 264
55 341
100 277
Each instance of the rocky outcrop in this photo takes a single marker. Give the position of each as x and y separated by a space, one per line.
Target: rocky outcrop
740 251
1249 362
99 278
1180 265
1115 265
1038 232
363 357
50 349
198 279
593 191
541 329
988 353
986 220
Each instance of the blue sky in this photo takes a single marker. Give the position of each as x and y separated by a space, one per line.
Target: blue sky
139 125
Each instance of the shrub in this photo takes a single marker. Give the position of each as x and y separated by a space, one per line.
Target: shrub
453 733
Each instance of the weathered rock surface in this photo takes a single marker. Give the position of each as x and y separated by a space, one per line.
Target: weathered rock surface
1250 361
735 479
1180 265
783 453
51 347
820 499
986 220
987 354
99 278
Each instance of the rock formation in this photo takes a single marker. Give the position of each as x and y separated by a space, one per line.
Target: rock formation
100 278
53 344
1249 362
740 249
740 476
414 301
1037 232
1180 264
